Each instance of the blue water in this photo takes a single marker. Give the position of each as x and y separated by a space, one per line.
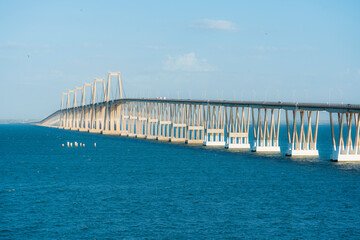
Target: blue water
131 188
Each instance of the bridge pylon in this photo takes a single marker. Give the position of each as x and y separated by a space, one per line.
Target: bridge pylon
85 111
110 123
98 110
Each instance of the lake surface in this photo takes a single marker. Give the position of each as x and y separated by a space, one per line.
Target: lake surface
134 189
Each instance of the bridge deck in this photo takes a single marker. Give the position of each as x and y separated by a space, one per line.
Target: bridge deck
254 104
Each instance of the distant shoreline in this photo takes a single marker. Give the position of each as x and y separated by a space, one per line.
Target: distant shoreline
13 121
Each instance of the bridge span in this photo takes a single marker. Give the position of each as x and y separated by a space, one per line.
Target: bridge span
97 109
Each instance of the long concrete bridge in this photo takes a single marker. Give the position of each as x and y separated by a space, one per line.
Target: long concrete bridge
95 108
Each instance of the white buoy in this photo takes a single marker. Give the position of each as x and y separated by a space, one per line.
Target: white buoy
62 145
75 144
81 144
94 144
68 144
84 145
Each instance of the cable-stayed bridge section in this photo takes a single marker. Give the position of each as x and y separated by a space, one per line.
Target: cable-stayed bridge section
100 107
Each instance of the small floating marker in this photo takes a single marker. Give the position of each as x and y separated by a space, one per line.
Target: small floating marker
68 144
62 145
75 144
94 144
83 144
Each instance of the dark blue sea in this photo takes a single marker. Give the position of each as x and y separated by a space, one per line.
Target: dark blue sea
139 189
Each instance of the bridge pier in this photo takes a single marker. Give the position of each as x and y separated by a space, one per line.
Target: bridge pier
70 112
346 150
195 133
266 138
178 126
76 111
130 120
132 125
68 119
97 120
302 142
152 128
120 126
98 111
75 120
83 120
110 117
123 119
64 119
164 122
152 121
237 129
124 131
87 120
214 131
62 115
110 121
141 120
85 112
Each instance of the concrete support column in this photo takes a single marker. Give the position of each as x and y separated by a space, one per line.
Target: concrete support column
214 128
348 146
195 115
237 128
164 123
266 134
124 118
141 120
152 121
178 126
302 142
98 118
132 120
118 118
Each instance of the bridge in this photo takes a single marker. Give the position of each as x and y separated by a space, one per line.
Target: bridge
100 107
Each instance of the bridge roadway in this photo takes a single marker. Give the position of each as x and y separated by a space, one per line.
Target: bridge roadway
336 108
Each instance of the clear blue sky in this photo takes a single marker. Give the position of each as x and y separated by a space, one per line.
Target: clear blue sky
305 51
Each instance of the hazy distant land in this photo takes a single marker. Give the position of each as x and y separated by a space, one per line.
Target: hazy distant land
11 121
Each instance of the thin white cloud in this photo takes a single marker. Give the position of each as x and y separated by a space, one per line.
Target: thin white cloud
215 24
188 63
